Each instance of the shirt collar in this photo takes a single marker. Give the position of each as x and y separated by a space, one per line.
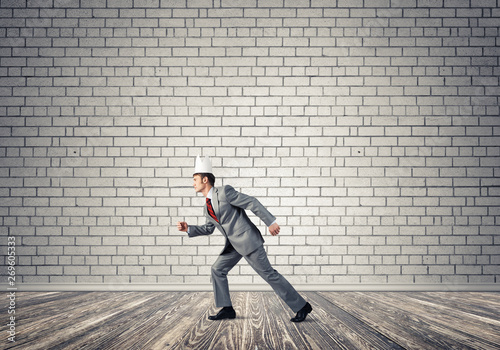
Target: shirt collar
210 193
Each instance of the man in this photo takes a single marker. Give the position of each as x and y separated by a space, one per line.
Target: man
225 209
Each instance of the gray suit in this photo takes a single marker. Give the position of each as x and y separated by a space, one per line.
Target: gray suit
243 239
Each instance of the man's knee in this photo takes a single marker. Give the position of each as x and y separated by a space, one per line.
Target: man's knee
218 271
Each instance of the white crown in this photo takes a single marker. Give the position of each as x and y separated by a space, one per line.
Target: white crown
203 166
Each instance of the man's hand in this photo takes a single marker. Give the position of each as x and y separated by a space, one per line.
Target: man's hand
182 226
274 229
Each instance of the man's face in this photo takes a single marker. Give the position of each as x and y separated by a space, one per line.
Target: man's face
199 184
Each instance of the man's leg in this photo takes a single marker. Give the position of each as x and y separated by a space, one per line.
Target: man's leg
224 263
260 263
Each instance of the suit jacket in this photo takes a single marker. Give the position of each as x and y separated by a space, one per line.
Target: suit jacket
229 207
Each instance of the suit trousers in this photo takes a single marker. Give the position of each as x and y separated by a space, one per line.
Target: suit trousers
260 263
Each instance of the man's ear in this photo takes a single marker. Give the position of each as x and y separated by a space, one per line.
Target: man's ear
205 180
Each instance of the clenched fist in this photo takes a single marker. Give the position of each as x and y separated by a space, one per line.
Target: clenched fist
274 229
182 226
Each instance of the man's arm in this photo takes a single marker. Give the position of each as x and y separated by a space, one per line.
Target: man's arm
194 231
244 201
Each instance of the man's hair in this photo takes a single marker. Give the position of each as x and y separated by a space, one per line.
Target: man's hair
209 176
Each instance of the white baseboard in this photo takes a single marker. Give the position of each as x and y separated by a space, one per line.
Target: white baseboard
115 287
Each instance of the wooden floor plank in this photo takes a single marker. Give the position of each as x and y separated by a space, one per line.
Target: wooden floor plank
57 322
36 308
403 328
451 322
348 331
259 331
286 336
137 327
266 324
176 320
200 335
230 333
307 332
283 333
485 305
224 334
40 298
114 314
108 333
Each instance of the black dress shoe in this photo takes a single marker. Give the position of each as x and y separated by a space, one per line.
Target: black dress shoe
225 312
302 314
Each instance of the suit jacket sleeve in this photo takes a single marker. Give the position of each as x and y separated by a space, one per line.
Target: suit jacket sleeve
200 230
244 201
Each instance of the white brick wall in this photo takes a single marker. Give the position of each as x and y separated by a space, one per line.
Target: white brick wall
369 128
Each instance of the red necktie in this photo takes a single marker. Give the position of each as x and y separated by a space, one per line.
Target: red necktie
211 209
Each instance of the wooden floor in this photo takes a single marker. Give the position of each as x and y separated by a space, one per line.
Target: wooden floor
178 320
